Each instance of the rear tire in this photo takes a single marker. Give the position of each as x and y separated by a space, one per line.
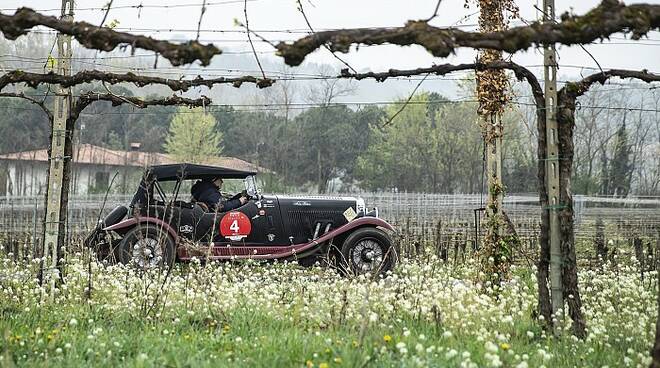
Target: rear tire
367 250
106 253
147 246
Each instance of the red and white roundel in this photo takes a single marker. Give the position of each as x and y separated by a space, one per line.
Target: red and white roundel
235 226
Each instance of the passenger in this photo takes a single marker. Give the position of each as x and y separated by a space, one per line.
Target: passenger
207 191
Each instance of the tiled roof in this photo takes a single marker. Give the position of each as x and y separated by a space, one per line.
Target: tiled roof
95 155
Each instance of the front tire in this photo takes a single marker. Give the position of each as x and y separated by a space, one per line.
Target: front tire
368 251
147 246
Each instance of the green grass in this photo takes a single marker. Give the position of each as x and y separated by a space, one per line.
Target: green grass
284 316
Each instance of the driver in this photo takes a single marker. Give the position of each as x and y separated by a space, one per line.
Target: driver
207 191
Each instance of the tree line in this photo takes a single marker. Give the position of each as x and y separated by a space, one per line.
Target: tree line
432 145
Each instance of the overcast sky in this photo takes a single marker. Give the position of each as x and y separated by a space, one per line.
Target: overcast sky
179 22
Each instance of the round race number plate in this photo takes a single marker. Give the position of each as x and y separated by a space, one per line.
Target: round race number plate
235 226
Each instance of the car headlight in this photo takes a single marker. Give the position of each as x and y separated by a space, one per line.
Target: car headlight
372 213
360 206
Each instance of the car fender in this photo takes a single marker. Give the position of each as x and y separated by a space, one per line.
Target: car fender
342 230
359 222
134 221
273 252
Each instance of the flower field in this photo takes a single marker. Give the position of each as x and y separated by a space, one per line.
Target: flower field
426 313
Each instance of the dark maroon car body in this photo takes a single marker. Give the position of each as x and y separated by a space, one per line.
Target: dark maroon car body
306 228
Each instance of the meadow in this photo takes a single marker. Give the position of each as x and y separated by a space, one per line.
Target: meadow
427 313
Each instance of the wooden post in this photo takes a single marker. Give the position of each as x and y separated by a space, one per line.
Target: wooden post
54 229
552 165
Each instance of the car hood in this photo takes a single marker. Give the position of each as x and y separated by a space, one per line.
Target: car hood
312 202
316 198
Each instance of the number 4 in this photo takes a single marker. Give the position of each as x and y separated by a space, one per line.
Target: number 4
234 226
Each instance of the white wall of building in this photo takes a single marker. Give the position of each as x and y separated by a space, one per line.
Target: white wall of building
28 178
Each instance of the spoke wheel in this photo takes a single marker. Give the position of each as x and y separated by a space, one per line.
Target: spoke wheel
367 255
146 247
147 253
367 251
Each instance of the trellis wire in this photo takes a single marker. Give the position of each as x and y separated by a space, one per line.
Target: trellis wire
444 220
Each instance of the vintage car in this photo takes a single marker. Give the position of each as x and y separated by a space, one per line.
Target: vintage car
158 229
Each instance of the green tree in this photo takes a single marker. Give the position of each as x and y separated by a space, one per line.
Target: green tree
428 147
520 166
620 167
116 127
396 156
604 173
193 136
326 141
23 126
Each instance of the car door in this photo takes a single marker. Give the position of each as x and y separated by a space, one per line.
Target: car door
265 224
189 221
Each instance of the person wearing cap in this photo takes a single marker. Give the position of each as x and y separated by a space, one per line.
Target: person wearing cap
207 191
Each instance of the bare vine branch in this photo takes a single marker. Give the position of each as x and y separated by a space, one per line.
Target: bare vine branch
309 25
87 98
567 96
107 11
547 16
41 104
88 76
519 71
592 57
566 106
435 12
107 89
602 21
403 107
105 39
201 15
574 90
247 27
264 39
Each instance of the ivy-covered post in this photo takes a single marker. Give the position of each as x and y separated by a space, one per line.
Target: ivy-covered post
492 95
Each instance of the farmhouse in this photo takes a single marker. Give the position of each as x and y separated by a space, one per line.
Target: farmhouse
24 173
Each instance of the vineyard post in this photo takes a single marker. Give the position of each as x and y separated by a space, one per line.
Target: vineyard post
59 164
551 164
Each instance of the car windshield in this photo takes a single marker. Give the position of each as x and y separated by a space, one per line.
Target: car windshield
164 191
229 187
